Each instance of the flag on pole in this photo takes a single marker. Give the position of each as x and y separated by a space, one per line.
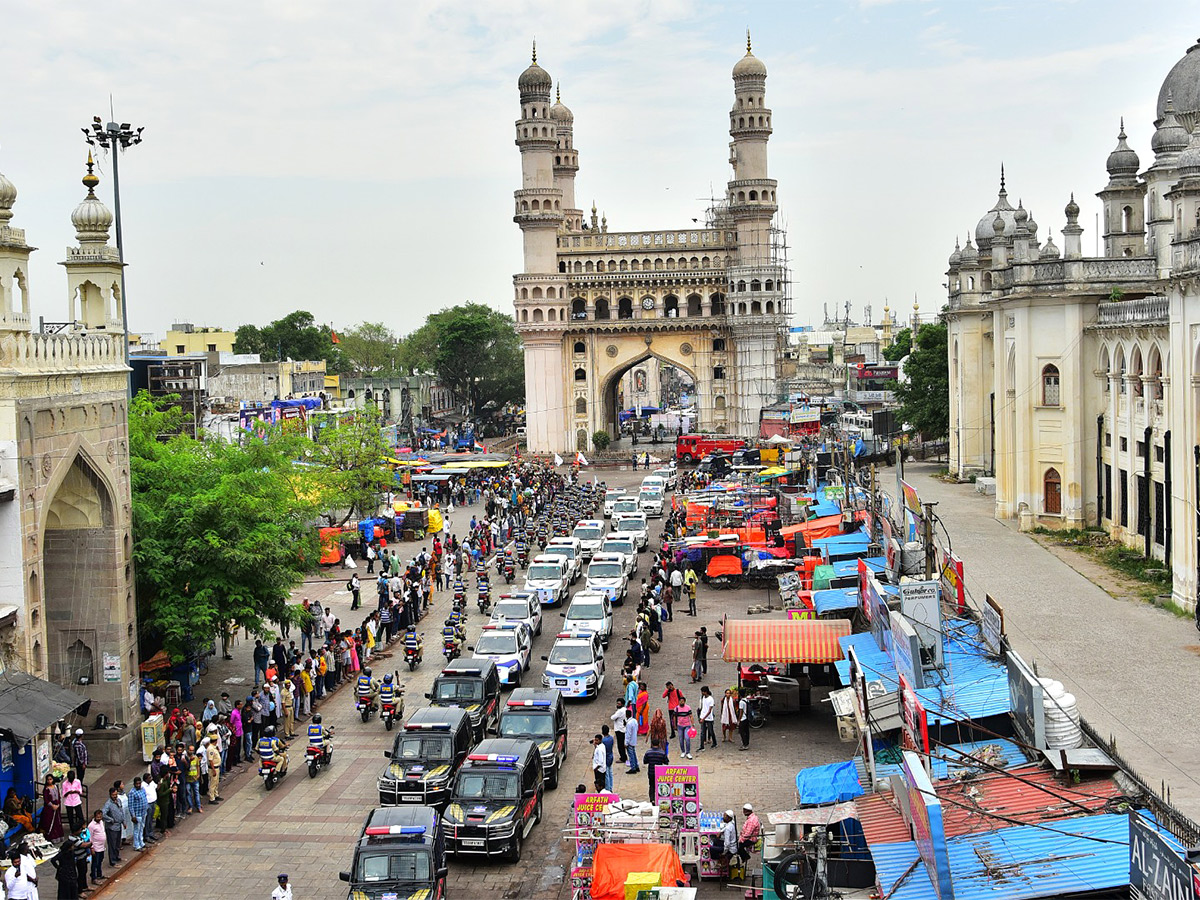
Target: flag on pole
558 460
333 337
580 459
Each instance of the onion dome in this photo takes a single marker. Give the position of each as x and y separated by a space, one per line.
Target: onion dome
1049 251
8 196
1031 226
998 226
1071 210
1170 136
985 230
1182 84
535 79
1190 158
91 218
1123 162
970 256
1020 217
559 111
749 66
956 256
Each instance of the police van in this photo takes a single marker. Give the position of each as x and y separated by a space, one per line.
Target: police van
575 666
540 716
400 853
507 644
472 685
424 757
496 801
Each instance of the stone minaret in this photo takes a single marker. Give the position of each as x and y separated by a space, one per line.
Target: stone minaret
1124 199
14 265
94 267
540 292
751 193
566 162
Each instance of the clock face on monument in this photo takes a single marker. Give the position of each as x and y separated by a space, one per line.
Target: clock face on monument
647 303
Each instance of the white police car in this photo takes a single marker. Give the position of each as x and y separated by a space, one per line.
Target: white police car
519 606
590 533
606 575
547 579
626 547
575 666
590 611
509 645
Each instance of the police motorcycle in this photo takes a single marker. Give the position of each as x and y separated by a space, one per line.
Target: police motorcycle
391 700
522 550
318 753
452 640
272 758
510 567
413 648
460 590
485 593
364 695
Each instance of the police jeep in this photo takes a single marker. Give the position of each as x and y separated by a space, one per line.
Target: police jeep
400 855
426 754
496 801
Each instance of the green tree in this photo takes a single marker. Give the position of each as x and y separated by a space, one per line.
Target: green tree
349 459
900 347
368 349
222 532
295 336
473 350
925 395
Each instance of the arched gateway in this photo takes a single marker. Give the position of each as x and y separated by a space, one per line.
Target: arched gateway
592 304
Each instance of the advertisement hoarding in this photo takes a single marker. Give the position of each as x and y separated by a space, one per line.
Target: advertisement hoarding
992 616
921 606
923 811
905 649
954 588
1156 869
1026 696
916 722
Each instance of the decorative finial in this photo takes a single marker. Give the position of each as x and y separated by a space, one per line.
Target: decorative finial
558 93
535 51
748 53
1002 178
90 180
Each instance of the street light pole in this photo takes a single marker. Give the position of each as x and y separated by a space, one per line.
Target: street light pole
114 137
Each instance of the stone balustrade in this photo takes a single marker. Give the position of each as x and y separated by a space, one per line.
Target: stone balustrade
661 241
32 352
1142 311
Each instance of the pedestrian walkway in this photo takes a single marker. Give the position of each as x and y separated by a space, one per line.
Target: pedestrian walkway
1131 666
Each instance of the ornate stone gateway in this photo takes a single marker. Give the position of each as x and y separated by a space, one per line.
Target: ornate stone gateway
592 304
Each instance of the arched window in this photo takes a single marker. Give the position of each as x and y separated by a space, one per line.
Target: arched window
719 403
770 306
718 345
1052 492
625 308
1155 369
1127 218
1105 368
671 306
538 315
578 308
1051 395
580 375
578 268
716 305
1135 367
718 373
579 347
755 306
553 314
741 286
537 293
694 305
580 406
1119 369
602 308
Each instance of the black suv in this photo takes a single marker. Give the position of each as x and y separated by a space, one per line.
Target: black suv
538 715
496 801
424 757
473 685
400 853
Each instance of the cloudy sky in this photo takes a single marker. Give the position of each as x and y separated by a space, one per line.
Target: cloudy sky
356 159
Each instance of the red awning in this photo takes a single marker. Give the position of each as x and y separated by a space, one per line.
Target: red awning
784 641
724 565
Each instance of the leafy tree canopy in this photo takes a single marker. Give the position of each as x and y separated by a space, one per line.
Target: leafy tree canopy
295 336
925 396
473 350
900 346
369 349
348 462
222 532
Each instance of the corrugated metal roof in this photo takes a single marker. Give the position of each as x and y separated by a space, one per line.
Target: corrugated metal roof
968 805
1019 863
972 686
834 599
948 760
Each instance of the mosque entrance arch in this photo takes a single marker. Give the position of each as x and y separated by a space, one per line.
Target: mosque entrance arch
648 380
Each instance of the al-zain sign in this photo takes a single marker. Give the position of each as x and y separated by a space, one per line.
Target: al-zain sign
1156 869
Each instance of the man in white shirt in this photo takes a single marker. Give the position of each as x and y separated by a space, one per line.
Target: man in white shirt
708 708
618 720
151 789
16 884
284 891
599 762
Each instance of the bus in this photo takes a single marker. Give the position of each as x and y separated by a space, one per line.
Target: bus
693 447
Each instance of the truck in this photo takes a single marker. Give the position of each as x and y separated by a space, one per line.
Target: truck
692 447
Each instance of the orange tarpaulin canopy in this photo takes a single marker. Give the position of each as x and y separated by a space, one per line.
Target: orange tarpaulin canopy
771 640
814 529
613 863
724 565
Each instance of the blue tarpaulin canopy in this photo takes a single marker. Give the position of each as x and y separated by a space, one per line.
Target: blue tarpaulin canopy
834 783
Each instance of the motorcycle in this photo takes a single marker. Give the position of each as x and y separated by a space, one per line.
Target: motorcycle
412 656
510 572
522 555
460 591
318 757
365 708
485 598
391 712
270 771
451 650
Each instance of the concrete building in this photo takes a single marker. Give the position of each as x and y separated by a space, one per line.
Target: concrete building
66 564
1076 380
591 304
185 339
237 377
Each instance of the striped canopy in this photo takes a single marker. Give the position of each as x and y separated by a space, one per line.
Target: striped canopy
784 641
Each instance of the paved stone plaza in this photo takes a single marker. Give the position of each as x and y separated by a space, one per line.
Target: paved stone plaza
307 827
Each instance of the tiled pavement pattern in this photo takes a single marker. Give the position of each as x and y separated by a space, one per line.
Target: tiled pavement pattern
307 827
